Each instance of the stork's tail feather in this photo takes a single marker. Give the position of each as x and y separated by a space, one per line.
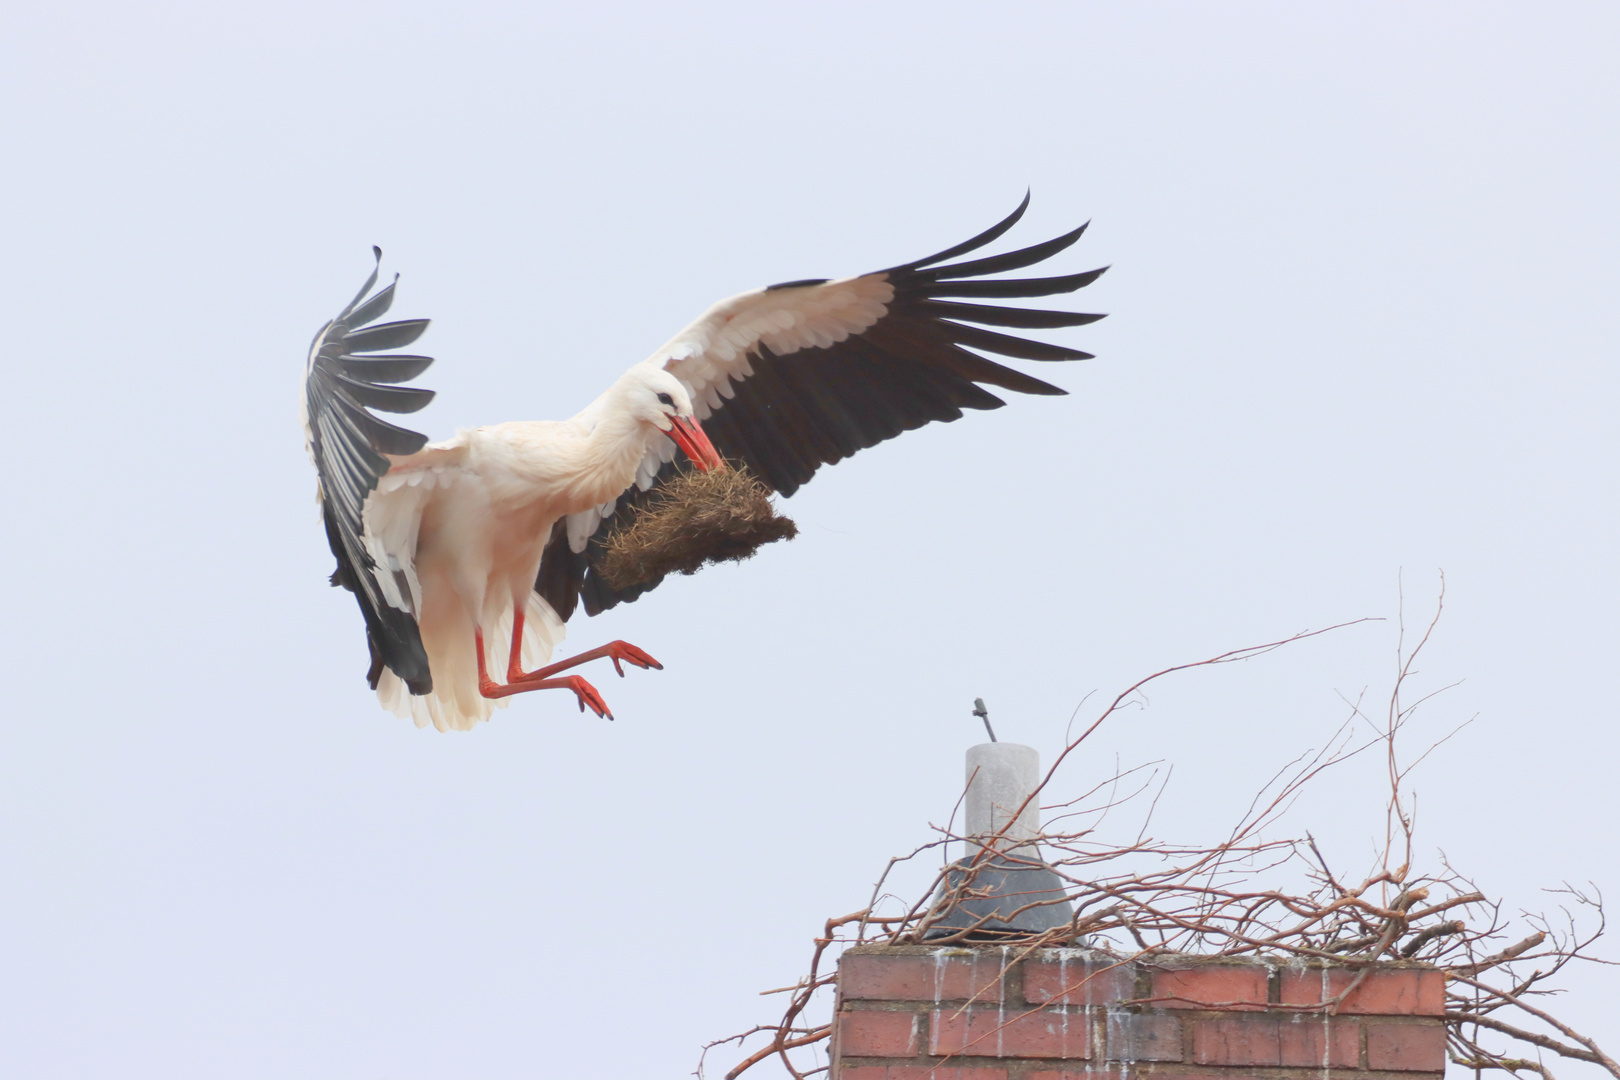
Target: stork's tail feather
452 701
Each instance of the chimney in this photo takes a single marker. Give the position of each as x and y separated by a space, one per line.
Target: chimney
984 1005
998 1012
1000 888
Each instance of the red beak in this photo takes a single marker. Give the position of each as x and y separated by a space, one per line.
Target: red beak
690 438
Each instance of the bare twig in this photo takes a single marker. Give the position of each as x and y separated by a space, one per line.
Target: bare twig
1145 897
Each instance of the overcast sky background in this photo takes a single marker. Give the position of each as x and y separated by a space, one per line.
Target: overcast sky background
1365 263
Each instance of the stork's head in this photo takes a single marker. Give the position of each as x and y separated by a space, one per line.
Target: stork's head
660 399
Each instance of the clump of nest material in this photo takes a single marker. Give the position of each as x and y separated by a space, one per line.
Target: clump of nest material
693 519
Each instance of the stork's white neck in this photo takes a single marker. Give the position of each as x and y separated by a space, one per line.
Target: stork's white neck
616 438
573 465
611 454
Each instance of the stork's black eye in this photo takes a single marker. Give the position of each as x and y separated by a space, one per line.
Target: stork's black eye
665 399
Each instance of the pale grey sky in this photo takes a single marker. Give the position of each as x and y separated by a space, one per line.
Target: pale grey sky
1365 260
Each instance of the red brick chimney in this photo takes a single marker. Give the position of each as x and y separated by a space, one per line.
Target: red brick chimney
920 1012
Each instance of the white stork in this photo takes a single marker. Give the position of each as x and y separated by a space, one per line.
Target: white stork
479 548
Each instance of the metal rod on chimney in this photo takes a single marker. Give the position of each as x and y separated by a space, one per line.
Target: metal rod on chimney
984 714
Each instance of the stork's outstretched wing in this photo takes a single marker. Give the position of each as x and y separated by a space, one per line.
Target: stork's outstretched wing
348 442
799 375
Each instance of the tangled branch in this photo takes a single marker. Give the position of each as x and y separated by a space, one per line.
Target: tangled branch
1150 897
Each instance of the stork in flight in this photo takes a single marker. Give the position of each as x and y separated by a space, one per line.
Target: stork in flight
479 548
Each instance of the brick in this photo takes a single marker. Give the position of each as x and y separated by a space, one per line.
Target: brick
993 1033
1238 1040
1077 982
922 1072
1071 1074
942 977
1407 1047
1296 1041
1319 1043
878 1034
1401 992
1226 986
1144 1036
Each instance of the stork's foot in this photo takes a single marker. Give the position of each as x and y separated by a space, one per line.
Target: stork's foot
630 654
587 694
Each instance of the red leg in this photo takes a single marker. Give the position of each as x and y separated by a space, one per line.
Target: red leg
514 659
518 681
614 650
586 694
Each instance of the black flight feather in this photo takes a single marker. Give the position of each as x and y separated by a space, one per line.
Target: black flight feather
819 405
348 443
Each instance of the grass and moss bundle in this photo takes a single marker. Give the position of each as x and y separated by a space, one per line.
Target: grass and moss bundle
694 519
